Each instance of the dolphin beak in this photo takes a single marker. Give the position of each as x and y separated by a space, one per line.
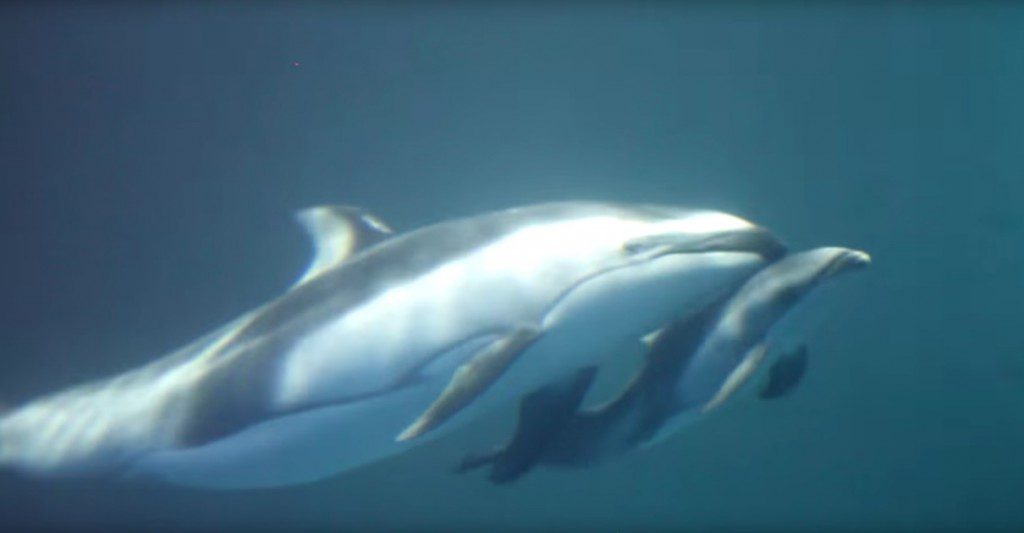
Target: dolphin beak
855 260
858 259
848 261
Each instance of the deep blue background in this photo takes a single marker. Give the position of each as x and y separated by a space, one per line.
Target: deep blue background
151 157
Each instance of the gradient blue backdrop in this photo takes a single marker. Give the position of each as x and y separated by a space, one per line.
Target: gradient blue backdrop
151 156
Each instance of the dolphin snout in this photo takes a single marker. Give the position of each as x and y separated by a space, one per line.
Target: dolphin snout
859 259
854 260
846 261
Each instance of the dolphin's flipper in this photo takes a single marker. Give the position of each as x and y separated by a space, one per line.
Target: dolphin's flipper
542 415
471 379
785 374
473 461
337 232
748 367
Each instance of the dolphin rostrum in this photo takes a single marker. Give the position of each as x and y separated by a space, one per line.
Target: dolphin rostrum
387 338
693 366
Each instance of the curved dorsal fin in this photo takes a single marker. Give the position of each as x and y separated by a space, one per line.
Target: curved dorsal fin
337 232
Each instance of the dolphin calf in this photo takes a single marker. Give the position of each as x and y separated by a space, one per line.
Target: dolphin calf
693 366
389 340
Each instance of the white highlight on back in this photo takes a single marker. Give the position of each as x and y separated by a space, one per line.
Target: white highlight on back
703 222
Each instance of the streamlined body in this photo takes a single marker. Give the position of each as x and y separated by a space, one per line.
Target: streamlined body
693 366
388 340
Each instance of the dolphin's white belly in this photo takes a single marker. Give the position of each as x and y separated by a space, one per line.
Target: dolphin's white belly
582 329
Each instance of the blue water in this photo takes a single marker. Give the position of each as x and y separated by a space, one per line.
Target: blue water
151 157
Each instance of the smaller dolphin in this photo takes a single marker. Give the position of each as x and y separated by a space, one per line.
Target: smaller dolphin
693 366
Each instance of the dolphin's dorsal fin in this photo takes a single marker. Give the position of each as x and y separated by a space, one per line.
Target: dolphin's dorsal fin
337 232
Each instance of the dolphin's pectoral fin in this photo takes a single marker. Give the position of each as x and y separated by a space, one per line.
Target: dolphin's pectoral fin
471 379
473 461
338 232
543 414
785 374
739 376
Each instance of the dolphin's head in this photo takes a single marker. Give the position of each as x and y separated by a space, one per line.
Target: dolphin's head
787 295
671 230
823 264
776 309
651 265
787 282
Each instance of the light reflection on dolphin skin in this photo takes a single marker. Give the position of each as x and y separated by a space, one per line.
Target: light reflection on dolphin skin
389 336
693 366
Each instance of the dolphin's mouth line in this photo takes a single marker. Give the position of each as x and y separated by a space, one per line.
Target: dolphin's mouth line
756 240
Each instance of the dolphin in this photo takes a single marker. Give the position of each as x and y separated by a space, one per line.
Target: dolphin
693 366
388 340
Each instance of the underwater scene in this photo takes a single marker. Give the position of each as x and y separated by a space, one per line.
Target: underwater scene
523 266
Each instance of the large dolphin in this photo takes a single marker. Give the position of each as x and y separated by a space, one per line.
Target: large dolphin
385 338
692 367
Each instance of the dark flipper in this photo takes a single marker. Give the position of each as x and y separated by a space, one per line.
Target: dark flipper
542 415
785 374
473 461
